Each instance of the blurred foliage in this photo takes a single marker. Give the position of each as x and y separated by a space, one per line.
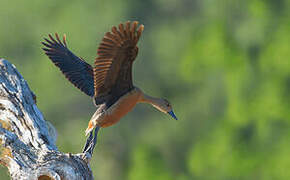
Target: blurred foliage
224 65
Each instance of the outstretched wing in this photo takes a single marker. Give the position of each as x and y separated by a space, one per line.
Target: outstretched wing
113 66
75 69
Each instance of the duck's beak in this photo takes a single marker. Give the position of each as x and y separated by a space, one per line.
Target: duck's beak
171 113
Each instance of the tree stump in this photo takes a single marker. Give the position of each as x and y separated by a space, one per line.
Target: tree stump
28 147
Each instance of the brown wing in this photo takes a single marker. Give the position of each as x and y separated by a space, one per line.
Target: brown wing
75 69
116 53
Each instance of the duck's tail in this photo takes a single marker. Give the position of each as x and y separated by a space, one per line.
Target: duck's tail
90 128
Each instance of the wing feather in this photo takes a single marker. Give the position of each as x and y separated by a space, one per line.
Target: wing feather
113 66
75 69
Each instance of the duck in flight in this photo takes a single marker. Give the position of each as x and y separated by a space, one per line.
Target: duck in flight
109 83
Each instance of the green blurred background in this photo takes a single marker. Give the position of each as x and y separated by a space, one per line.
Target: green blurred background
224 65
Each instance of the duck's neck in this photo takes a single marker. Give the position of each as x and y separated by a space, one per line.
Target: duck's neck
144 98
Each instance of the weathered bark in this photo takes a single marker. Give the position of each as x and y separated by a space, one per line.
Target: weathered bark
28 141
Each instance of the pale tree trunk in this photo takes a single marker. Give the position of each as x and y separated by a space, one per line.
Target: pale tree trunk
28 147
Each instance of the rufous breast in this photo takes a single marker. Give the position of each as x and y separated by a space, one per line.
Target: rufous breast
120 108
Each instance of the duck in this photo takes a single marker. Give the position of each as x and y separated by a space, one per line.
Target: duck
109 82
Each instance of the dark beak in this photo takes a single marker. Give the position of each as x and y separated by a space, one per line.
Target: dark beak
171 113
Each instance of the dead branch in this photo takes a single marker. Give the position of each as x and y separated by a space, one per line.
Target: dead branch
28 141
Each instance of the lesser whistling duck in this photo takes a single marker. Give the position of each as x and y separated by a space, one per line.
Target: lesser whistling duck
110 81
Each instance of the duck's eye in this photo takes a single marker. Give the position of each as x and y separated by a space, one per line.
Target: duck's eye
167 105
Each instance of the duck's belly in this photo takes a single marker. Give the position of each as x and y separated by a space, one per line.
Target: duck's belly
124 105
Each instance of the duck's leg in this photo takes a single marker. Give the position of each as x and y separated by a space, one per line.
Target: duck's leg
91 142
94 141
89 139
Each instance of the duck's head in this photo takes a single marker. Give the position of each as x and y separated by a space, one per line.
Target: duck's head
164 106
